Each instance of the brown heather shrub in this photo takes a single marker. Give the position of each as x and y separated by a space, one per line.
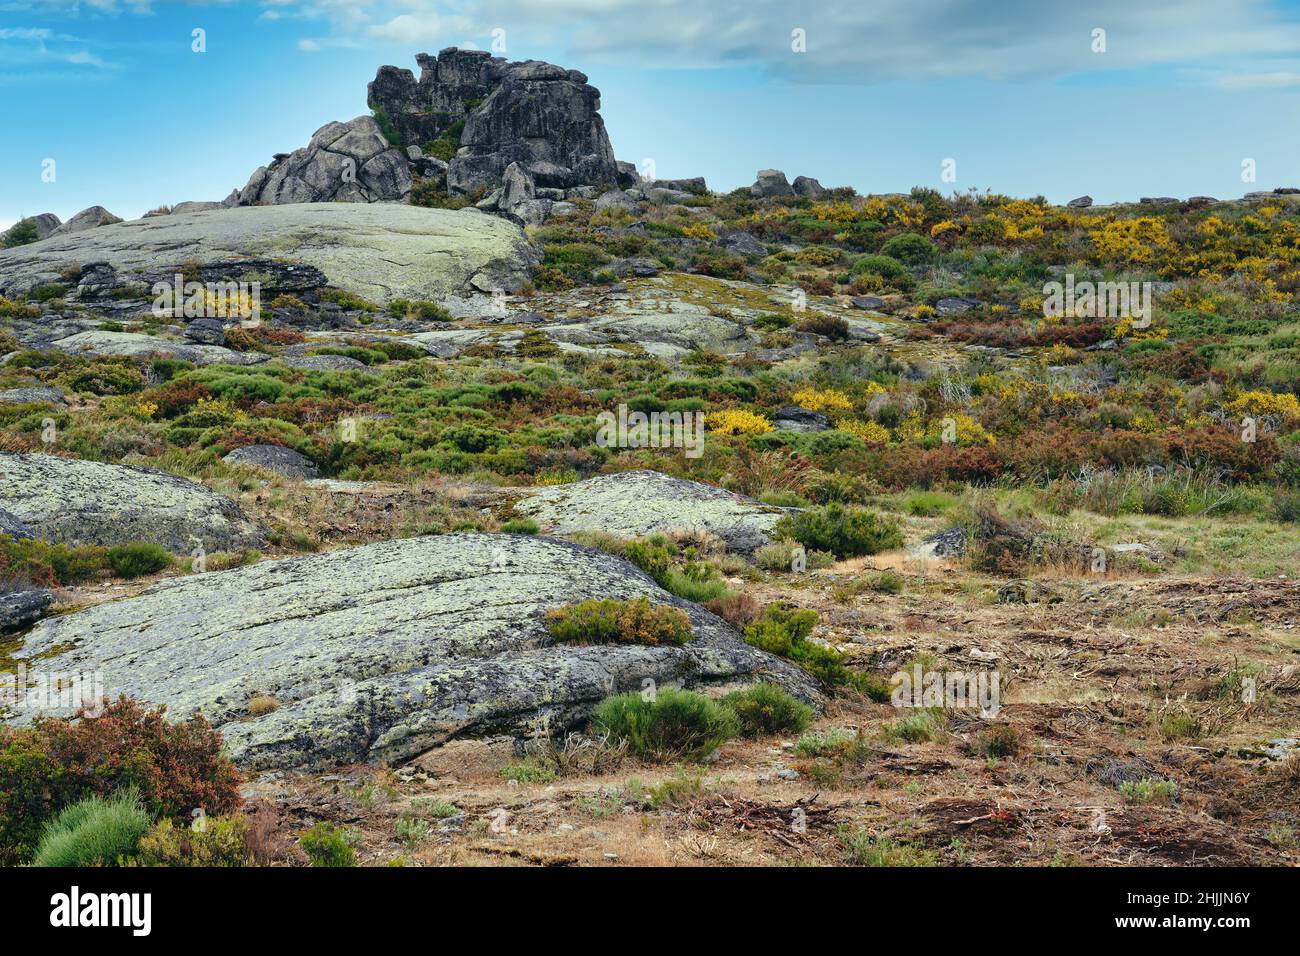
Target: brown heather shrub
735 607
1222 450
175 768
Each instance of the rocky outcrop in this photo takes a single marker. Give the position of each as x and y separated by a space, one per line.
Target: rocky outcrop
495 113
276 458
11 525
20 609
96 344
636 503
792 418
87 502
378 252
383 652
91 218
771 183
344 162
31 395
808 187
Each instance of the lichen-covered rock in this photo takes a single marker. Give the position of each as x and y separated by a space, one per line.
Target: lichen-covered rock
276 458
382 652
13 526
96 344
88 502
377 251
31 395
19 609
636 503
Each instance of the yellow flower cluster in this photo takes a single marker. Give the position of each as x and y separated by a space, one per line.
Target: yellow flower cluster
1131 240
871 433
1260 404
826 400
737 421
698 230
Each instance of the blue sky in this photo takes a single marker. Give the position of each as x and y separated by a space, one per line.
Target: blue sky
1014 91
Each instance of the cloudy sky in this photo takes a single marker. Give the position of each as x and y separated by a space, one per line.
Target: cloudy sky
1125 98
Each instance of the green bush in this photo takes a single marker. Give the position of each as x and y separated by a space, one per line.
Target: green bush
137 559
19 234
674 725
94 832
910 248
50 565
886 267
766 709
418 309
783 630
611 621
845 531
327 845
220 841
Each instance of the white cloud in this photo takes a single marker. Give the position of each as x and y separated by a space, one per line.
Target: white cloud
848 42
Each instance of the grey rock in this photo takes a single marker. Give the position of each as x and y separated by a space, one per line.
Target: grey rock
11 525
872 303
88 502
20 609
324 363
771 183
31 395
636 503
562 210
1082 202
669 197
344 162
695 185
808 187
91 218
1158 201
181 208
45 224
955 305
206 332
138 345
792 418
276 458
743 244
615 199
945 544
383 652
376 251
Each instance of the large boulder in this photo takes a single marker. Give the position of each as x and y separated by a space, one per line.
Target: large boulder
636 503
88 502
377 251
91 218
276 458
770 183
382 652
344 162
543 117
19 609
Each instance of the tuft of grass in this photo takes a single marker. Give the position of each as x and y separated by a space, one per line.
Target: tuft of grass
533 769
434 807
137 559
94 832
1149 790
924 726
867 849
1000 740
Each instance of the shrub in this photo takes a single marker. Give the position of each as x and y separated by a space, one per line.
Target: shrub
218 841
327 845
674 725
175 768
532 769
910 248
412 830
737 421
1149 791
766 709
418 309
845 531
19 234
921 727
830 326
137 559
1000 740
886 267
94 832
50 565
783 630
611 621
